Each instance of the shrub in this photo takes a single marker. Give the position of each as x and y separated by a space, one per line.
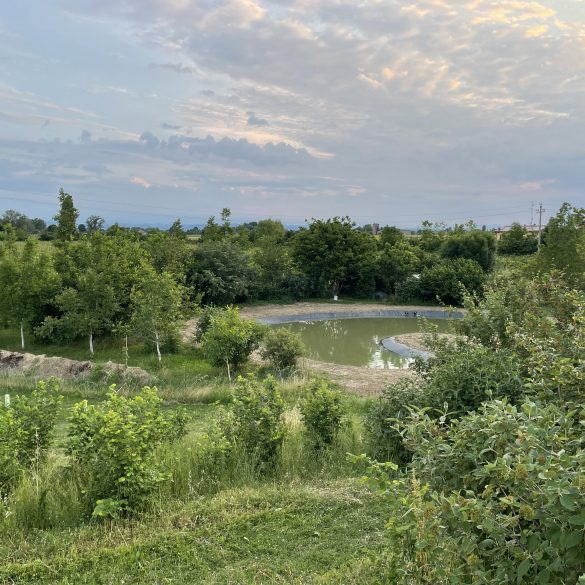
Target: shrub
385 442
26 430
449 279
495 497
323 413
112 444
204 321
282 348
254 423
408 290
462 374
229 339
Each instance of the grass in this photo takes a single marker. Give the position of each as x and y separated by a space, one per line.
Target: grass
308 520
316 532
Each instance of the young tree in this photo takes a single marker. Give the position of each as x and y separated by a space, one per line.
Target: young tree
157 308
94 223
229 339
28 282
66 218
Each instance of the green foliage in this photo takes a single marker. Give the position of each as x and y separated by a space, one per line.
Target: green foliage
462 374
26 430
204 321
476 245
222 272
335 257
391 235
28 283
397 263
282 348
254 423
392 406
517 241
449 280
157 308
229 339
112 446
323 412
66 218
564 245
496 496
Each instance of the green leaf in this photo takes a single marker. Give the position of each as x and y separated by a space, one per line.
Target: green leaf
523 568
577 520
573 539
568 502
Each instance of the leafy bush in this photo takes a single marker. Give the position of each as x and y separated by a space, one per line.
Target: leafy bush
496 497
229 339
449 279
408 290
282 348
112 444
476 245
26 430
462 374
385 442
254 423
323 412
204 321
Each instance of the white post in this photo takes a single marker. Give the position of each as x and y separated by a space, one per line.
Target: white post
91 343
7 400
158 348
22 335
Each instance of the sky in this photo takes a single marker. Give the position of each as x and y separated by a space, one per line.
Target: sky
386 111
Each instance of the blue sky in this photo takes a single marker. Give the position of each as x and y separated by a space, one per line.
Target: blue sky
387 111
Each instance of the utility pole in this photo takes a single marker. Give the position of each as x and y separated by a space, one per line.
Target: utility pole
540 211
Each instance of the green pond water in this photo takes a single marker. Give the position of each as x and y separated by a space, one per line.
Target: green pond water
356 342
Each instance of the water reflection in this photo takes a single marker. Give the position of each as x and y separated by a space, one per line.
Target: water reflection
356 342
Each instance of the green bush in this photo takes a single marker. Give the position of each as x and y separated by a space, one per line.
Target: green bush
229 339
26 430
408 290
449 279
282 348
495 497
462 374
112 446
384 440
204 321
323 413
254 423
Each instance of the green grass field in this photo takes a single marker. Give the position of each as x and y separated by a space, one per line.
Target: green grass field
309 521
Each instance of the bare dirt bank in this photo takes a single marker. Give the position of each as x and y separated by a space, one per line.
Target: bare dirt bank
41 366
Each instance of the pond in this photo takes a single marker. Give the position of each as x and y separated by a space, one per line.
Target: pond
356 342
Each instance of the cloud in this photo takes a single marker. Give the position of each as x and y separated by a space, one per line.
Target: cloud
176 67
140 181
254 120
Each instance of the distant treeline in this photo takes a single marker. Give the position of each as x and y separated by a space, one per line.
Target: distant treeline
84 282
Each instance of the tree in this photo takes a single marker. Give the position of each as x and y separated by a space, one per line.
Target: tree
94 223
157 307
517 241
473 245
221 271
391 235
335 256
564 244
99 273
176 229
229 339
66 218
396 263
28 283
282 348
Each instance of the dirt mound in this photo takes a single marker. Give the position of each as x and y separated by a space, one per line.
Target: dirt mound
41 366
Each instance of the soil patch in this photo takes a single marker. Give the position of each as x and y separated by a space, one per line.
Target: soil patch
41 366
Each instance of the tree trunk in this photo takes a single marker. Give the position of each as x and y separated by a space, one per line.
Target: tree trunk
158 348
91 343
227 363
22 335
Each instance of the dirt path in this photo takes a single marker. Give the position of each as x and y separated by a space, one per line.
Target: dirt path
363 381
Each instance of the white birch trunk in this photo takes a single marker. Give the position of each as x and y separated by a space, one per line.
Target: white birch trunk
228 369
91 343
157 348
22 334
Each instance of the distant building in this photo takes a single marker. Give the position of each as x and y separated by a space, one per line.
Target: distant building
530 228
375 228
